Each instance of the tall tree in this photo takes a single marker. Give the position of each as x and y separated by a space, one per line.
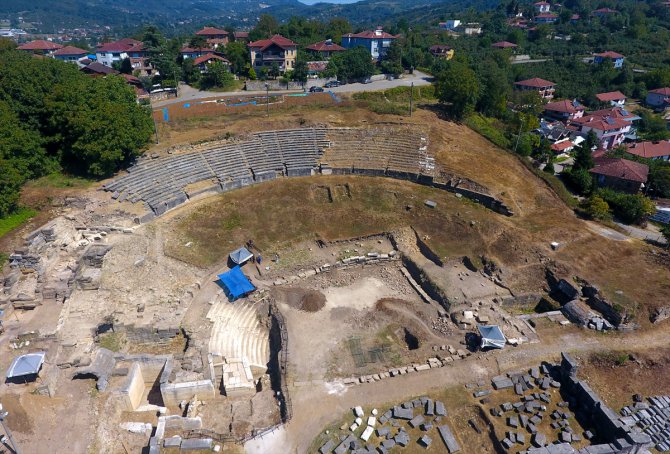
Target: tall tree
457 87
267 26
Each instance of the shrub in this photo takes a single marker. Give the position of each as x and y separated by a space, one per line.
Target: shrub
596 208
630 208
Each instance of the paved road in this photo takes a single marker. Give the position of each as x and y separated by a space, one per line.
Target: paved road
188 93
651 233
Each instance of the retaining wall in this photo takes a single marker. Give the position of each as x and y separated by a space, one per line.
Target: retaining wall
133 390
173 393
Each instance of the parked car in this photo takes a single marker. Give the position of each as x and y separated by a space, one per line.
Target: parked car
367 80
315 89
333 84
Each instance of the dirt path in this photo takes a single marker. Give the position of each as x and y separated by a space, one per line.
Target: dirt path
334 400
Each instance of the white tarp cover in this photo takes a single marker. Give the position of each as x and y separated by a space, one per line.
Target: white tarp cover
492 336
28 364
241 255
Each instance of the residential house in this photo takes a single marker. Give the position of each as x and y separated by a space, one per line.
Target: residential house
451 24
504 45
470 29
326 49
614 57
40 46
614 98
603 12
651 150
563 147
117 51
97 69
543 87
70 54
241 36
659 99
574 18
277 49
215 37
620 174
204 61
546 18
376 42
314 68
610 126
442 51
564 110
194 52
542 7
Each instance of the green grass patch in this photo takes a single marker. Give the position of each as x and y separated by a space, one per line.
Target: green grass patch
14 221
112 341
489 128
60 181
4 258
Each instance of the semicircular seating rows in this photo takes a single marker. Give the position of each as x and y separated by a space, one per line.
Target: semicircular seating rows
164 183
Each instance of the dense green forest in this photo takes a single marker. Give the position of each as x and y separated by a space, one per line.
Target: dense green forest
55 118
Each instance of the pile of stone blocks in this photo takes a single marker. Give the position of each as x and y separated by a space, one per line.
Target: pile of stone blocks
431 363
391 429
652 418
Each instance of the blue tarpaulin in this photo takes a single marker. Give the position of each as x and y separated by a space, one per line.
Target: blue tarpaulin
236 283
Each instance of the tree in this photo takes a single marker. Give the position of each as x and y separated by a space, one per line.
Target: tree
665 231
126 66
190 73
392 63
252 74
237 54
652 127
579 179
659 178
352 64
629 208
7 44
10 187
267 26
583 157
597 208
197 42
300 71
274 71
217 76
458 88
106 128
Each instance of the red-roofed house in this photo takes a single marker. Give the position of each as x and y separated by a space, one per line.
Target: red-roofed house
602 12
620 174
565 146
241 36
614 57
376 42
40 46
326 48
203 61
110 53
651 150
504 45
542 7
215 36
611 126
659 98
563 110
279 50
544 88
442 51
615 98
70 54
546 18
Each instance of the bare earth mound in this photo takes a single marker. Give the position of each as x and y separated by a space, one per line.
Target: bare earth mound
302 299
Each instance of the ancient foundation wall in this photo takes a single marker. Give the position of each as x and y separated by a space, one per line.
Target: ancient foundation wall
173 393
133 390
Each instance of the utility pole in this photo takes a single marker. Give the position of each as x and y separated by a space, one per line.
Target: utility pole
518 136
267 100
411 98
3 415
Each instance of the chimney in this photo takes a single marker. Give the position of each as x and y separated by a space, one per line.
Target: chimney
379 30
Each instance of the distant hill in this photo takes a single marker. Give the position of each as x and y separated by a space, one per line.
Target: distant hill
180 14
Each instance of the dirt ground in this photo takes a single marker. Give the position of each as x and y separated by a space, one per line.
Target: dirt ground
647 373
